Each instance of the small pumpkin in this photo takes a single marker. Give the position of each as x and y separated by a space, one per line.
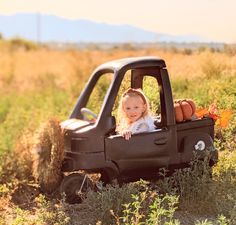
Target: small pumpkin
178 112
184 109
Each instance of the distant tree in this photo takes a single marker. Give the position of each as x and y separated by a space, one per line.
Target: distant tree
187 51
22 43
202 49
1 36
230 49
174 49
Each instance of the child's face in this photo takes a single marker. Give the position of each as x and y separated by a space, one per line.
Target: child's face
133 107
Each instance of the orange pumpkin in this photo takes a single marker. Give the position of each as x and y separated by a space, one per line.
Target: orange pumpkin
184 109
178 112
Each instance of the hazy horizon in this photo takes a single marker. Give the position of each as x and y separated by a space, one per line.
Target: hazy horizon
209 19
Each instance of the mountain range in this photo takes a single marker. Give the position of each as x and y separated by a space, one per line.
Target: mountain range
50 28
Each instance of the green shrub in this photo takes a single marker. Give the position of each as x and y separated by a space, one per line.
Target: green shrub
48 212
150 208
201 192
19 112
99 204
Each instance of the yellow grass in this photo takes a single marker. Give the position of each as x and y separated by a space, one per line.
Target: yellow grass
22 70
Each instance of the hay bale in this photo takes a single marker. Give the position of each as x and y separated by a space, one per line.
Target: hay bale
48 153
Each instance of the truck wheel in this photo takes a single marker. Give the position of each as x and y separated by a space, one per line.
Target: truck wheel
110 178
104 178
48 154
74 187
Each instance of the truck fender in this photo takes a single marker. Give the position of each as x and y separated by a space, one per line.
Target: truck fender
199 144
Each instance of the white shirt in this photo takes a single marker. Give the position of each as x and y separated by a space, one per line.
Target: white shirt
142 125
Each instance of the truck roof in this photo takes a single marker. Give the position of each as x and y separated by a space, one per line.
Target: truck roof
134 62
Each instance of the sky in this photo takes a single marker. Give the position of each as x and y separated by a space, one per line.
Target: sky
210 19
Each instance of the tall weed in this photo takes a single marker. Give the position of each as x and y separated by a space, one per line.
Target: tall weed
150 208
212 69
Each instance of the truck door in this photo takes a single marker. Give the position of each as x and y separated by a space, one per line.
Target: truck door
149 150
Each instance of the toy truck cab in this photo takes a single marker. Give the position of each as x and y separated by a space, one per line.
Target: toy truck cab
94 146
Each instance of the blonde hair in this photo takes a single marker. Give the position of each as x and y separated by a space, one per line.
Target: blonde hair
122 119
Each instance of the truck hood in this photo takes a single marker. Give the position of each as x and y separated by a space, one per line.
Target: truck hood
74 124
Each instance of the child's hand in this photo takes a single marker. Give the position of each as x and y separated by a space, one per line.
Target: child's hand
126 134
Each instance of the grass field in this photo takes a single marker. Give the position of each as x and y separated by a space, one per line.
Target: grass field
38 83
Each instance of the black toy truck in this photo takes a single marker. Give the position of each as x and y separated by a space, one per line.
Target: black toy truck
93 146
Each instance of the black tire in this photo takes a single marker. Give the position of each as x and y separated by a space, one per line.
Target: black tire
74 187
110 178
48 154
105 179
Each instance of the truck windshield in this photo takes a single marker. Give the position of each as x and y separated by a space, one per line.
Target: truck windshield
97 96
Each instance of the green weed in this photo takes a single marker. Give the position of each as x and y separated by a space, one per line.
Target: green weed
150 208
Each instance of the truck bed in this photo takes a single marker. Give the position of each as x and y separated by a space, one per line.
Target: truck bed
198 123
189 133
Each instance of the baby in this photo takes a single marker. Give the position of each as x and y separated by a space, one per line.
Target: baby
134 114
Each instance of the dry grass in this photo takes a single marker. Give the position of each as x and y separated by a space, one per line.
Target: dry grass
48 153
23 70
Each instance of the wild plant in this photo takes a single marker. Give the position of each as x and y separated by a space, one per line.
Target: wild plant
150 208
